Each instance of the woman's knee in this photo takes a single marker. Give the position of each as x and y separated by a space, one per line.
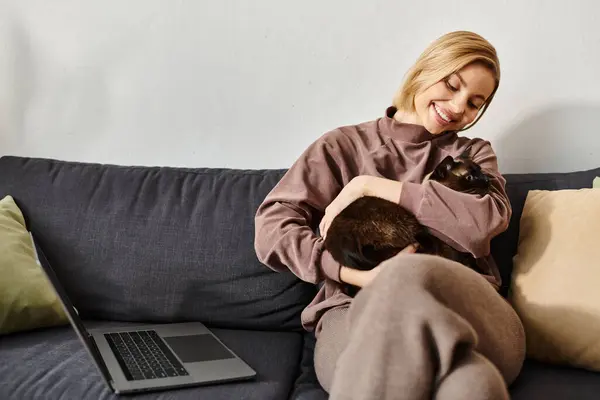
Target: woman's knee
420 279
474 377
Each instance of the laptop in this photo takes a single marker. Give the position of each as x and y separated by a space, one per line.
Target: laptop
152 357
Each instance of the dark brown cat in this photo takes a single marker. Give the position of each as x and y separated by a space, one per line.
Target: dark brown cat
371 230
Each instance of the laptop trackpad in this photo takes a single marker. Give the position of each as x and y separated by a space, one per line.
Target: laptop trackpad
196 348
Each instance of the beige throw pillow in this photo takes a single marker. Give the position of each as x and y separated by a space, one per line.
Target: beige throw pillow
555 284
27 300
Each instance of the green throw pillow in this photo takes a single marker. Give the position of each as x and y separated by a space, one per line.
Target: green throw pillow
596 184
27 300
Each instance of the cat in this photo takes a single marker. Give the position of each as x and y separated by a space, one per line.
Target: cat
371 230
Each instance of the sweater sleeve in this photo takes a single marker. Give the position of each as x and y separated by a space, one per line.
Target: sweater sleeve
286 221
466 221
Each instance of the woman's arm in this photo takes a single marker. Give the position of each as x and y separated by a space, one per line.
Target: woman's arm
286 221
353 276
363 185
363 278
465 221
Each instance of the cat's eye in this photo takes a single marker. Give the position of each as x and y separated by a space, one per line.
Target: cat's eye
470 178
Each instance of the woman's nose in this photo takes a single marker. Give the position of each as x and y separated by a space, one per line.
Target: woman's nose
457 108
459 104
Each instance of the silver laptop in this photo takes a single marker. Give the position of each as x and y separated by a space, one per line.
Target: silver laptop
152 357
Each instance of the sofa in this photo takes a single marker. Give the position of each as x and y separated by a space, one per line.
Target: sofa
136 245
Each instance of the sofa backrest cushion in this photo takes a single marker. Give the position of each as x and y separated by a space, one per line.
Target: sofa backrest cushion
175 244
156 244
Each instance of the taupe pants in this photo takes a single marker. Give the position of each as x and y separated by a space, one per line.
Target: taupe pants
425 328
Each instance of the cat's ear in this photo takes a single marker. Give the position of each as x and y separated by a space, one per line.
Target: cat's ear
447 164
443 168
466 154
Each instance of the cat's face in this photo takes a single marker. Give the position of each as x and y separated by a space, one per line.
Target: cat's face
461 174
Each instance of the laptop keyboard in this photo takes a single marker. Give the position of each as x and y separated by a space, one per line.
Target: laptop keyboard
143 355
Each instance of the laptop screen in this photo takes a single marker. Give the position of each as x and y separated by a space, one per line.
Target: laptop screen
70 310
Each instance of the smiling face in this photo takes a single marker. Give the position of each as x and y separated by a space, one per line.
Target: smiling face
454 102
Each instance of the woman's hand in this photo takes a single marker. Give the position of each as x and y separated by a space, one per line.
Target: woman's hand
354 190
362 185
363 278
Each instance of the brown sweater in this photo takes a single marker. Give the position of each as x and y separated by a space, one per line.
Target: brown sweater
287 220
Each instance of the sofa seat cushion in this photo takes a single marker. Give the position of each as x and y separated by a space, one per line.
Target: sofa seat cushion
537 381
52 364
307 386
541 381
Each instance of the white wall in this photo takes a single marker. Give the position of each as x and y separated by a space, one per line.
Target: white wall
249 84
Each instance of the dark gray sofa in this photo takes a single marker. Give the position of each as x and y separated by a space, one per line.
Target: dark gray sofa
149 244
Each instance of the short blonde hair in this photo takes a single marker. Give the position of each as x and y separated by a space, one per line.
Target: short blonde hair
442 58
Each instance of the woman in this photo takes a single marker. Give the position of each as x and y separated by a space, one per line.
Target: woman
422 326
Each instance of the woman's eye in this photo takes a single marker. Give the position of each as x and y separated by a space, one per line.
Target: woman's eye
454 89
472 105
